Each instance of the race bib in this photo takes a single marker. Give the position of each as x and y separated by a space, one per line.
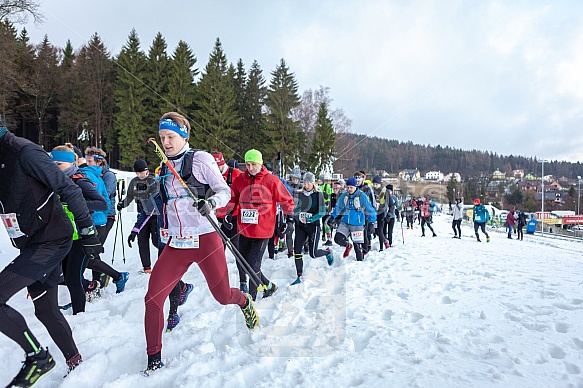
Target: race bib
184 242
11 224
358 236
249 216
304 217
164 236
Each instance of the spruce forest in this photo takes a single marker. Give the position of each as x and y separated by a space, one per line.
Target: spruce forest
89 96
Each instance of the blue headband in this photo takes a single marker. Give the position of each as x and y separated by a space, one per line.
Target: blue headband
63 156
94 156
172 126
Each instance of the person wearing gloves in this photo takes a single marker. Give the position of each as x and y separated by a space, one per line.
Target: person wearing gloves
380 194
31 193
256 193
350 216
140 189
480 216
458 215
75 262
309 209
191 237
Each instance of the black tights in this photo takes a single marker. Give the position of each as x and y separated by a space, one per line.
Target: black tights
46 309
456 225
342 240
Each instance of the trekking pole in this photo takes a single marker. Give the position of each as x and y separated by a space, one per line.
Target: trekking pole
115 240
120 195
243 263
402 233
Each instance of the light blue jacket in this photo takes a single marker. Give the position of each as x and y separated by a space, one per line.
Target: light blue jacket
354 214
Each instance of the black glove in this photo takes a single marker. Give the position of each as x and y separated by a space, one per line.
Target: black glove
91 244
334 222
205 207
132 237
228 221
119 206
371 228
289 224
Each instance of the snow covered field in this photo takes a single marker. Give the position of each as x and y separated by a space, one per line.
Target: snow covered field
432 312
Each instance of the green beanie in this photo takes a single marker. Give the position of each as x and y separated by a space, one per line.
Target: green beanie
253 156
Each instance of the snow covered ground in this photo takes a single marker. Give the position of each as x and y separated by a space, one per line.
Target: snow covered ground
432 312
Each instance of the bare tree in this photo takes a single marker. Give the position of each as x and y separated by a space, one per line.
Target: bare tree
18 11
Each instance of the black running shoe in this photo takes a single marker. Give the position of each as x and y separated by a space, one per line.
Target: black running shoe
33 368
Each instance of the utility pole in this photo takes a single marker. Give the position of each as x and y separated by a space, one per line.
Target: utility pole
542 182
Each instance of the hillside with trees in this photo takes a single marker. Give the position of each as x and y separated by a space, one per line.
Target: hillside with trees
89 96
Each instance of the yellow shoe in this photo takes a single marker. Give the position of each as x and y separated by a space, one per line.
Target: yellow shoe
251 317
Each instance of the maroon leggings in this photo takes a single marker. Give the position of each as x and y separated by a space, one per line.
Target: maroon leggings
168 270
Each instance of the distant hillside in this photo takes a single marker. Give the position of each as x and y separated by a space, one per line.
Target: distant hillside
357 152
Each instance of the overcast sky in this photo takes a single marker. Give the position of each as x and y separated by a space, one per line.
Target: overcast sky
503 76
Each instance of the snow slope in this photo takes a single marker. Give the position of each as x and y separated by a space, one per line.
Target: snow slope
432 312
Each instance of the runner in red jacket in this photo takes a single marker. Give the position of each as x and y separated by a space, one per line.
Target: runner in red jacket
255 193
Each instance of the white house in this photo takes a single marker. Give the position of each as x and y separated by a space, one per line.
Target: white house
434 176
455 175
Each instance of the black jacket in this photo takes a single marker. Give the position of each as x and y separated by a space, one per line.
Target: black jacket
30 186
93 199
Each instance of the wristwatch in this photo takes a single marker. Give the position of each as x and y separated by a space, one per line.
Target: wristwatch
88 231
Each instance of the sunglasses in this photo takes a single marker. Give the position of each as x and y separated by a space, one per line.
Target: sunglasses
358 176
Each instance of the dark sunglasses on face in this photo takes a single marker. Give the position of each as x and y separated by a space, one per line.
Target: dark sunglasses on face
358 176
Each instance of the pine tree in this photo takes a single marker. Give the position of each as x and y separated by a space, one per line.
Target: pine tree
70 101
181 87
8 71
254 132
96 77
452 189
323 145
283 130
130 99
157 80
43 86
216 117
23 73
242 106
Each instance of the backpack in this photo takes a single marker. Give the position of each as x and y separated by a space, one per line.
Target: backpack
200 190
230 176
355 201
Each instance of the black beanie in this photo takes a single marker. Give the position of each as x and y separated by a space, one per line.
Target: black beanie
140 165
390 187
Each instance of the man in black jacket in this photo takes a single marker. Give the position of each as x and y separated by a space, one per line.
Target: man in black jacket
140 190
30 187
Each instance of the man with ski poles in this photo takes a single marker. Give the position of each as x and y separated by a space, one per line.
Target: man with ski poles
191 188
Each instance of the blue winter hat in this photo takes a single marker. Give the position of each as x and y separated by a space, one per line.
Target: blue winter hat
377 179
351 182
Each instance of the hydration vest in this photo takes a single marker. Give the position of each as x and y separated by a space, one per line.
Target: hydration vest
200 190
